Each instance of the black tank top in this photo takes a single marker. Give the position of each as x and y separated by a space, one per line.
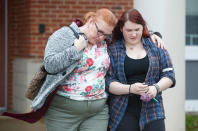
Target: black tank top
135 71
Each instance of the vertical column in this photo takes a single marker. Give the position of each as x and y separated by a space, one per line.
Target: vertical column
168 17
2 53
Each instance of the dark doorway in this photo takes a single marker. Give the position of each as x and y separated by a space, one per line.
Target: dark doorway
2 53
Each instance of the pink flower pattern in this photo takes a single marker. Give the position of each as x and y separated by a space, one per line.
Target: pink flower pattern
87 80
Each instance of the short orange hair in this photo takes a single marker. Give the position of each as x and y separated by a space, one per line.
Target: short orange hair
104 14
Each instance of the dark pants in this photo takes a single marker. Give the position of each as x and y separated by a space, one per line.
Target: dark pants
131 123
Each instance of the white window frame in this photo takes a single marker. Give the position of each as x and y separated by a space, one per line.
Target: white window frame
191 105
191 53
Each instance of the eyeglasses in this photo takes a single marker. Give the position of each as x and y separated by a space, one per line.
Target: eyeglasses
101 33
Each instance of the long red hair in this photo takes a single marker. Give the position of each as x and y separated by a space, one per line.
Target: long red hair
134 16
104 14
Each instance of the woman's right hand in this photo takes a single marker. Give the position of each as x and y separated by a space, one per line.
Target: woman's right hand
80 43
139 88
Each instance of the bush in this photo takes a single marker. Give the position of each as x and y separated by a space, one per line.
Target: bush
191 122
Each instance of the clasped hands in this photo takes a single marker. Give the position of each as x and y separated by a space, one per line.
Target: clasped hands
142 88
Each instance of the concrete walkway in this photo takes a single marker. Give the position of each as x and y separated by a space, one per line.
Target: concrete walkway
10 124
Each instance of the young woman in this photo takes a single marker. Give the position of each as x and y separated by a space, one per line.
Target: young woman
138 68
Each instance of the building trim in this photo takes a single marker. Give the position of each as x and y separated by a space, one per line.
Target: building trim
191 106
191 53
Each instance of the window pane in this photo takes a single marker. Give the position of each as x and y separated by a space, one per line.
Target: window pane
187 40
191 22
195 41
191 79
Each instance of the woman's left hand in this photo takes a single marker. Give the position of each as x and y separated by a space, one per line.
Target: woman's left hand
158 41
152 92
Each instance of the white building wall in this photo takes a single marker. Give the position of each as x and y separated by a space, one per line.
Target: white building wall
24 70
168 17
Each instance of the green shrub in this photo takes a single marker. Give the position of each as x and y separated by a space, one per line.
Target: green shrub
191 122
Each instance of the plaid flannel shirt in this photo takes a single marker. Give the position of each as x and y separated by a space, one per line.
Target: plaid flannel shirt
160 65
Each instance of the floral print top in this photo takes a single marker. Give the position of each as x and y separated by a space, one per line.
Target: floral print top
87 81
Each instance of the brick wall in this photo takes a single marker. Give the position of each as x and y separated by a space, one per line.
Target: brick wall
25 16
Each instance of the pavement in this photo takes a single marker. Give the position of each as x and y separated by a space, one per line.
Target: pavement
10 124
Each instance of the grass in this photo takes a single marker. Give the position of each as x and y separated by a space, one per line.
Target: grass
191 122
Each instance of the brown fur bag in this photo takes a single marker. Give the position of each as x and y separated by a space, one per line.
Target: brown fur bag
36 83
39 78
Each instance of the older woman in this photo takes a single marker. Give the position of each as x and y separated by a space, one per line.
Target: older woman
79 65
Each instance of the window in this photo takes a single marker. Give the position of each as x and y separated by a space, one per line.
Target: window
191 55
191 30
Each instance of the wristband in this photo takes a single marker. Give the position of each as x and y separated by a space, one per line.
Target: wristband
129 89
85 37
158 34
157 88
